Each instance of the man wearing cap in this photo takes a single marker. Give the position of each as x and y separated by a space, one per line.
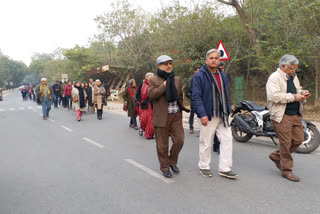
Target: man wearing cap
210 96
165 90
44 94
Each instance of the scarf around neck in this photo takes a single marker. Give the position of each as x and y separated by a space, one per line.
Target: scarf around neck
171 90
41 89
81 96
220 108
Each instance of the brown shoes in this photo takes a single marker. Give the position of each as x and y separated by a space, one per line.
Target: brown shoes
191 131
291 177
276 162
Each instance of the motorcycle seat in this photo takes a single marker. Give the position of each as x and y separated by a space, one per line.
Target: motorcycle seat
253 106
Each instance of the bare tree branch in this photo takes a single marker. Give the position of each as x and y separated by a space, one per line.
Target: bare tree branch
225 2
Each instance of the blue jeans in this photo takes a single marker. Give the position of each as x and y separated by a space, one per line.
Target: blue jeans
56 99
46 106
133 121
191 117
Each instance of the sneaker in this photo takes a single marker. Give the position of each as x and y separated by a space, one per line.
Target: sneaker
205 173
229 174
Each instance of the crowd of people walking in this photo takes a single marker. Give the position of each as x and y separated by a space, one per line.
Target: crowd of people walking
158 102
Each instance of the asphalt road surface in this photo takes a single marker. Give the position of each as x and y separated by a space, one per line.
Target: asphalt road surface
65 166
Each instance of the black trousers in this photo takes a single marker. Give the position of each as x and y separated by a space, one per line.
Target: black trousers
99 111
69 101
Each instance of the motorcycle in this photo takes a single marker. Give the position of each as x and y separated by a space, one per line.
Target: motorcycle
250 119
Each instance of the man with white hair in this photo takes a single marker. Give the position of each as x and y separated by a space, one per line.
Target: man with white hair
285 97
210 97
44 93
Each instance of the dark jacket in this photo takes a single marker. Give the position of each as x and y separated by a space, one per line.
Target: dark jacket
145 103
189 88
56 89
202 96
131 108
89 95
156 93
40 97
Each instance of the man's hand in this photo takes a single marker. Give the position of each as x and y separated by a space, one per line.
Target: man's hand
165 83
204 121
300 97
306 94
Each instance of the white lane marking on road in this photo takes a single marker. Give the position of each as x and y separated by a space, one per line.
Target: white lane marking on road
66 128
21 108
92 142
34 110
39 107
2 110
52 120
149 171
30 107
11 109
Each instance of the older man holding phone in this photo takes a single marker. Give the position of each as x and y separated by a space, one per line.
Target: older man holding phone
285 103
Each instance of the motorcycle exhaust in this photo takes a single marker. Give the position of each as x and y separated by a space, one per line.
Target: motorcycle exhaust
242 124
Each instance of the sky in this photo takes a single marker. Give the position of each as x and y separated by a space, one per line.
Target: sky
42 26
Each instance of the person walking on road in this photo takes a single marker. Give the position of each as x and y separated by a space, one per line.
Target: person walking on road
24 94
56 93
210 96
128 96
87 88
44 94
99 93
145 108
285 99
79 97
189 96
165 91
68 95
30 93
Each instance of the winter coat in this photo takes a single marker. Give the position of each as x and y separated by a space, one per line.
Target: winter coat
131 108
278 97
156 93
67 90
202 93
40 97
76 105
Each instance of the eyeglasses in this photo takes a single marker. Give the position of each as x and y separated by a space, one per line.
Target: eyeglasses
293 69
166 63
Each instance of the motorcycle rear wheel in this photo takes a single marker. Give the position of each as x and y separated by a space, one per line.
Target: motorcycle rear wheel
313 143
240 136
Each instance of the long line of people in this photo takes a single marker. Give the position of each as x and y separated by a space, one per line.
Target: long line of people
158 102
76 96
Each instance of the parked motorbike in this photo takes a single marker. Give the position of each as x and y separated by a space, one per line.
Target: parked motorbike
250 119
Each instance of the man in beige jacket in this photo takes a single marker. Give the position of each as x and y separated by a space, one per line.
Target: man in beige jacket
285 97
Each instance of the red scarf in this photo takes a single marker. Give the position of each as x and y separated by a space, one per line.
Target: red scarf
132 93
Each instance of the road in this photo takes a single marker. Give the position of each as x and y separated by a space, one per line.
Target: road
65 166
